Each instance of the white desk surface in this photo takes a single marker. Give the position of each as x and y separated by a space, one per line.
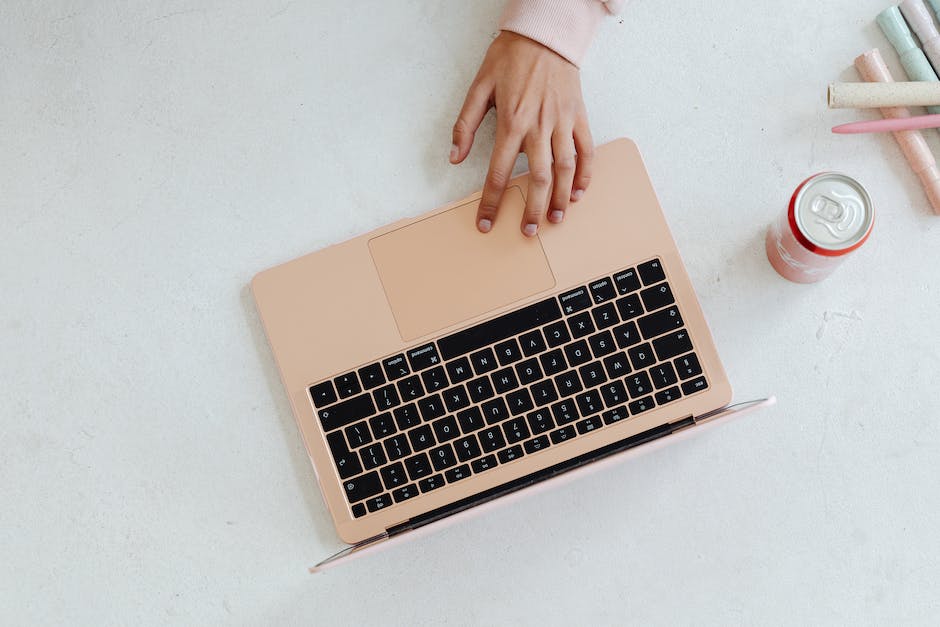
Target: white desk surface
155 155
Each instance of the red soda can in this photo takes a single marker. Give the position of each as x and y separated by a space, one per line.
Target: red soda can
829 216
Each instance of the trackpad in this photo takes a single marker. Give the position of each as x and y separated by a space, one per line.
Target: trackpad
441 270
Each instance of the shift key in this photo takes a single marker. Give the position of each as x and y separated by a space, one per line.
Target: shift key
347 412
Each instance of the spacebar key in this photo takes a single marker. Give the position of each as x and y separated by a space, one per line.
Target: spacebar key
507 325
347 412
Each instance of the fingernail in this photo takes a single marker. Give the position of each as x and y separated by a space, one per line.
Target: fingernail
557 216
576 194
530 229
454 151
485 225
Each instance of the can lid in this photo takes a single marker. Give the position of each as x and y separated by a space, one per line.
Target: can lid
831 214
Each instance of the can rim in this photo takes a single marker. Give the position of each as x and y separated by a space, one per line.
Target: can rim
805 241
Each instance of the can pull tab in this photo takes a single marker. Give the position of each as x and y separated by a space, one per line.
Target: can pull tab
836 213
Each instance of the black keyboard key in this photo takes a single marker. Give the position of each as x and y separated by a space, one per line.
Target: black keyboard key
575 300
446 429
627 335
379 502
456 398
434 379
347 385
581 325
403 494
431 407
657 297
423 357
617 365
359 510
373 456
695 385
467 448
382 425
395 367
510 454
459 370
668 395
651 272
397 447
663 375
470 419
589 424
516 430
480 389
519 402
541 421
605 316
386 397
529 371
498 329
347 462
410 388
557 334
505 380
456 474
669 346
578 353
358 434
347 412
484 361
495 411
543 393
641 405
536 444
491 439
418 466
562 435
421 438
627 281
602 291
589 403
662 321
638 384
629 307
371 376
602 344
323 394
442 457
484 464
592 374
431 483
565 412
568 383
614 393
362 487
532 343
615 415
553 362
641 356
688 366
508 352
394 476
407 416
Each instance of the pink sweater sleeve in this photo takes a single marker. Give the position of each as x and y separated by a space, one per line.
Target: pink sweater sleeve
565 26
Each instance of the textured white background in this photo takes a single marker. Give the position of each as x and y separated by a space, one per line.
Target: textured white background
155 155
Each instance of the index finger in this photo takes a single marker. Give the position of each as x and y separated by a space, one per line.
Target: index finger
501 163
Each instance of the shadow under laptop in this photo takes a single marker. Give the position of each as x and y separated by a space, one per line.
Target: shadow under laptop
306 479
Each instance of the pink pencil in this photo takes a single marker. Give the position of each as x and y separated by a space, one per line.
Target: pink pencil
894 124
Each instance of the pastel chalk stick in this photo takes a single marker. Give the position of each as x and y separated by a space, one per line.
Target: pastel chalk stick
913 59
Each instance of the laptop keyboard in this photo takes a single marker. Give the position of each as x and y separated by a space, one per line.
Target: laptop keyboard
508 387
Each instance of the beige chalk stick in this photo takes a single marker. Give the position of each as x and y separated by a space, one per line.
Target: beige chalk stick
877 95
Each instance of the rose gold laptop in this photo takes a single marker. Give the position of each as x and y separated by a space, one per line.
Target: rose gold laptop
432 368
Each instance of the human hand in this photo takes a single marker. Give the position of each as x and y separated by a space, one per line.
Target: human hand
539 111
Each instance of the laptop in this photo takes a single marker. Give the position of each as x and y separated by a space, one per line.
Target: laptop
432 369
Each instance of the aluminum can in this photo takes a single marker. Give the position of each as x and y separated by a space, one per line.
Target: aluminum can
829 216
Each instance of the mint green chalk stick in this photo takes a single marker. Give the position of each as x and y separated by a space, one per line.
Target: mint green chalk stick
913 59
